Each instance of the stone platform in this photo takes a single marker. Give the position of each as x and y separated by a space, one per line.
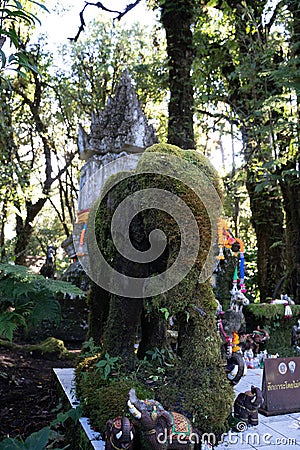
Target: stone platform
272 432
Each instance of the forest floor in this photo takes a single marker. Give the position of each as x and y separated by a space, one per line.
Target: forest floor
29 397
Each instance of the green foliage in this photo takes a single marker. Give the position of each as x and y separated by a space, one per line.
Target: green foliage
93 66
13 15
107 365
246 75
37 441
165 312
163 356
271 317
44 438
89 348
12 319
27 298
270 312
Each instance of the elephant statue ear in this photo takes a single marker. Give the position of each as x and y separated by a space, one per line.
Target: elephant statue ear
164 420
109 425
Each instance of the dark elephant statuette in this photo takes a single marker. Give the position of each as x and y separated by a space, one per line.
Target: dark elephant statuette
246 406
119 434
162 429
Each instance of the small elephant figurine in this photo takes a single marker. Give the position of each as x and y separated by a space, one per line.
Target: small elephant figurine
119 434
246 406
162 429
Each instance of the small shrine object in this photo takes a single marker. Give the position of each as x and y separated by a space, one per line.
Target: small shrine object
49 267
121 129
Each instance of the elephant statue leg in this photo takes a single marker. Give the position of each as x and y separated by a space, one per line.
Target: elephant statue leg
240 411
253 418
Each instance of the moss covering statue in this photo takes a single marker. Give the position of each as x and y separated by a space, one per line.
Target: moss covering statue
195 385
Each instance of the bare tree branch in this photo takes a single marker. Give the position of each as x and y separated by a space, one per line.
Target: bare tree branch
219 116
274 15
120 14
127 9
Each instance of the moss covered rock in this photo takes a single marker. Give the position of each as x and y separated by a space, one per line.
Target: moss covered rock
104 399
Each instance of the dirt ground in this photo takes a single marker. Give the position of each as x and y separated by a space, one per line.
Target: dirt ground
28 393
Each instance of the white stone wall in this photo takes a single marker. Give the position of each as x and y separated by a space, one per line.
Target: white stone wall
96 172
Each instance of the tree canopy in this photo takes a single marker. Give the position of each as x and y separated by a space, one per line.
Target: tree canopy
215 76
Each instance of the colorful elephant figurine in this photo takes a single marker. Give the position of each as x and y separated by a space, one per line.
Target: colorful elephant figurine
162 429
246 406
119 434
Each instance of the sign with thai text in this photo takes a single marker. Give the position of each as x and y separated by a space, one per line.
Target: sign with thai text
281 386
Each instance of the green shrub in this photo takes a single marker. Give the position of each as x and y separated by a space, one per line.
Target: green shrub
105 399
271 317
45 438
26 299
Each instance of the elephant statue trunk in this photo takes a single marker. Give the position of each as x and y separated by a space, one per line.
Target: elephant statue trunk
119 434
162 429
246 406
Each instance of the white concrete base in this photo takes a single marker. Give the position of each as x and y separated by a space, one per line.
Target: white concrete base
66 380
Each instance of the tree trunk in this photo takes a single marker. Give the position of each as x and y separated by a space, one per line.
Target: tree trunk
119 331
24 229
177 17
121 328
290 183
7 154
98 302
154 333
2 230
267 220
290 188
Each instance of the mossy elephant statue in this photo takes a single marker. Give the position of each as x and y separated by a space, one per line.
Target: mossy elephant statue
246 406
162 429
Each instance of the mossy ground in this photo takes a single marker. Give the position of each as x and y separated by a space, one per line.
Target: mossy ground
49 348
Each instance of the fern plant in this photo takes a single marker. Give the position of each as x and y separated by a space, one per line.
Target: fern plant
27 298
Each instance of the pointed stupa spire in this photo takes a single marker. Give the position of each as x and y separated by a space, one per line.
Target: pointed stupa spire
120 126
